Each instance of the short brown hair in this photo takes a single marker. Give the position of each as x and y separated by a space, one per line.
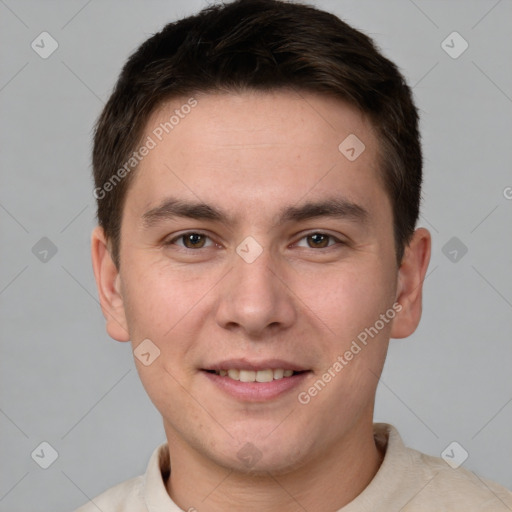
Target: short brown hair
260 45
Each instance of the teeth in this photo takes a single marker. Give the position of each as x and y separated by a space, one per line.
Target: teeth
264 376
278 374
247 376
255 376
234 374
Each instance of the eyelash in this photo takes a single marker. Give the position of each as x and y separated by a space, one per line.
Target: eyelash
182 235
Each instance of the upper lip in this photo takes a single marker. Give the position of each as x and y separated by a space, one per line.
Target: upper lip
264 364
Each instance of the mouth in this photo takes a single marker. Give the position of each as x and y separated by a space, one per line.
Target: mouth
267 375
255 382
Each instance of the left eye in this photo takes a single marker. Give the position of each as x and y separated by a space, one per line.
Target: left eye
192 240
318 241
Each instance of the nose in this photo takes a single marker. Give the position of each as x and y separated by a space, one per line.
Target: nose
255 298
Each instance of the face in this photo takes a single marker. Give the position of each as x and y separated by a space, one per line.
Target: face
252 245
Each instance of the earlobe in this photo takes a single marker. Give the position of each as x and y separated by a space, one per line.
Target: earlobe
410 284
108 282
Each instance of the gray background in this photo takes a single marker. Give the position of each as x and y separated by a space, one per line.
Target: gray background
65 382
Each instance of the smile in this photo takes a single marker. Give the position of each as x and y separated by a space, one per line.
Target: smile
267 375
258 385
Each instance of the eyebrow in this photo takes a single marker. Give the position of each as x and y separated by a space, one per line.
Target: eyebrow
337 207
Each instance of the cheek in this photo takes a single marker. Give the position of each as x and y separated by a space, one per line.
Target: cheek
352 308
145 302
347 300
158 301
166 309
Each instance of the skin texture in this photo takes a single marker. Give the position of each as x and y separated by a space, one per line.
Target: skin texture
251 155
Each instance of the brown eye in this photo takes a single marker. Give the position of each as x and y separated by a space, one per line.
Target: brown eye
318 240
193 240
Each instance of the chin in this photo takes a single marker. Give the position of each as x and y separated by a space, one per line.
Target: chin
260 456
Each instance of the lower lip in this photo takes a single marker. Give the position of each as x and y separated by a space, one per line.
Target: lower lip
256 391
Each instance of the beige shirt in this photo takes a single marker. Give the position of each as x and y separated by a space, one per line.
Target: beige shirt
407 481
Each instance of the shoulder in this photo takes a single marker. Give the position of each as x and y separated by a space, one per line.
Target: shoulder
140 493
123 497
133 495
447 488
411 481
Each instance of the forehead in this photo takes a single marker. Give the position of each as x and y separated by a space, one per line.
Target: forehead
266 148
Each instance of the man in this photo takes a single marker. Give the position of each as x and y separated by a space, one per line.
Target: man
258 176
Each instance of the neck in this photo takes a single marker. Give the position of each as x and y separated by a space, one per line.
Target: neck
329 481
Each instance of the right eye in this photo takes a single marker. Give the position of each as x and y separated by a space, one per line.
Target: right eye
191 240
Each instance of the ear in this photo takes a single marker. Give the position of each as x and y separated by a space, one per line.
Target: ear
411 275
108 282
